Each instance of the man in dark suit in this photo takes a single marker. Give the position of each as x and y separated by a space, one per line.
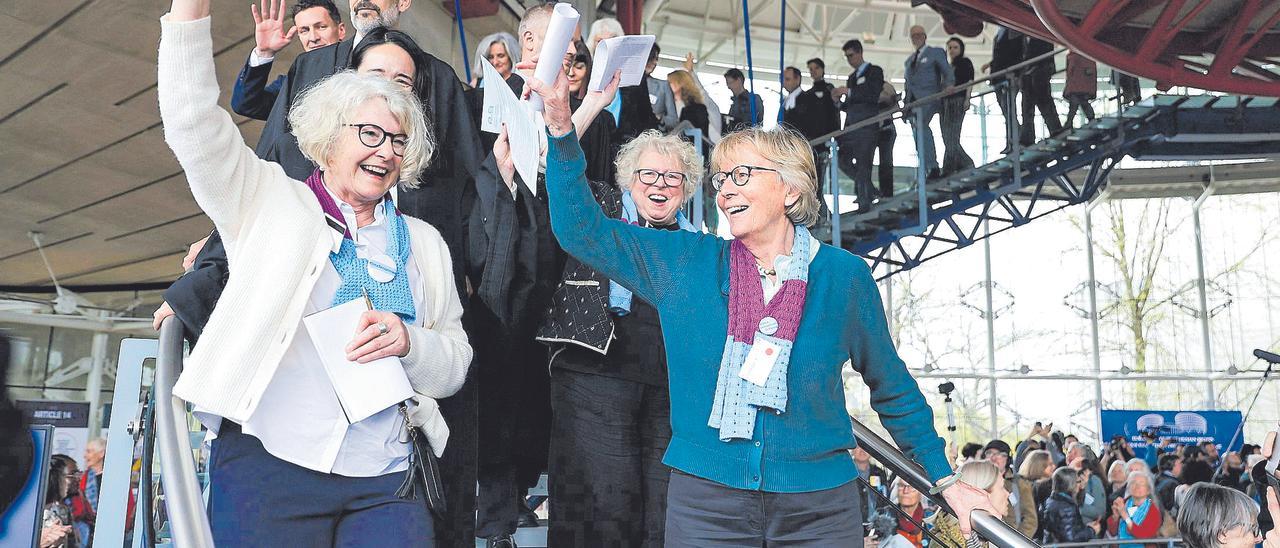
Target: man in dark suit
861 101
317 24
829 119
1006 51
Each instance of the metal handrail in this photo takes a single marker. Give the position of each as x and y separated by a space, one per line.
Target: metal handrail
1116 541
188 521
988 526
888 114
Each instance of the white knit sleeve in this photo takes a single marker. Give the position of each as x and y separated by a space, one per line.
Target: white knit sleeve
222 171
439 354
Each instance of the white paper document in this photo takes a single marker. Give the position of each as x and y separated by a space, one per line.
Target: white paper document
523 129
629 54
564 20
363 389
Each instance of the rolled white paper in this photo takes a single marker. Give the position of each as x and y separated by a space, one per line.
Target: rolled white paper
564 20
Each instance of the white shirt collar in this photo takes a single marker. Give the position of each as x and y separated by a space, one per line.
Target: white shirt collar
349 216
791 98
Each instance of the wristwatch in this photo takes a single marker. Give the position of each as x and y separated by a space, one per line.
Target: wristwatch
944 483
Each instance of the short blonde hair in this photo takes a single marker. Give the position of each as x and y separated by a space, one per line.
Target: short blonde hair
794 160
318 116
1033 466
982 474
689 91
667 145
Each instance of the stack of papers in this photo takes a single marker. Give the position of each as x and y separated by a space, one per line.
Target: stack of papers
629 54
501 106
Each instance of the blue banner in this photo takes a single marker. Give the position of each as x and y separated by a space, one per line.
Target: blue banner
1184 427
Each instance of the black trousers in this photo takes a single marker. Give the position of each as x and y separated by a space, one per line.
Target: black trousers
608 483
458 468
1005 97
1038 95
515 421
884 154
857 148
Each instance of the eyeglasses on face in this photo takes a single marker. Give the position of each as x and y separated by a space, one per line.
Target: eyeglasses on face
740 175
372 136
660 179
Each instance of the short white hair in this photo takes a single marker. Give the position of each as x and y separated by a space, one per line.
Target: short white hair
628 160
607 25
318 115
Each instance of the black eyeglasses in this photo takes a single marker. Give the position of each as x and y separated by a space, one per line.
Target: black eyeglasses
740 175
651 177
372 136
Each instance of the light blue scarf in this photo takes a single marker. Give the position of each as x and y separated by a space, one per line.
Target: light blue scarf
1138 516
620 297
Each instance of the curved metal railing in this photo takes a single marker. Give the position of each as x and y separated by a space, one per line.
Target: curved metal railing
990 527
188 521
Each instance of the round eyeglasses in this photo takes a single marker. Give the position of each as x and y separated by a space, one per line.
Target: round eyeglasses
740 175
660 179
372 136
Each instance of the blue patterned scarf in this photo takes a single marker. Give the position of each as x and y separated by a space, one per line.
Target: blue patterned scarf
392 296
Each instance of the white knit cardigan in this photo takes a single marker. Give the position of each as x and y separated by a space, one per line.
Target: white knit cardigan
277 244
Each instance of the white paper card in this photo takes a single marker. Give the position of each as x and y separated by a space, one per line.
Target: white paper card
362 389
564 20
523 129
759 362
628 53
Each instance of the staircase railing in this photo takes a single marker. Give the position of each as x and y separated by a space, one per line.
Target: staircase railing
986 525
188 521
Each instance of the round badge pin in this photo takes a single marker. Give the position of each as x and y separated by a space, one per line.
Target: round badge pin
768 325
381 268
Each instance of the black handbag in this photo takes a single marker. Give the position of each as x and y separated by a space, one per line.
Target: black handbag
422 479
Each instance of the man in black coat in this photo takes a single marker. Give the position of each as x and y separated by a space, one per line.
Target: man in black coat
1006 51
861 101
1036 91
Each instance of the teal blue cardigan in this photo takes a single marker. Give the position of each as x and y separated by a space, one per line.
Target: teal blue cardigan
686 277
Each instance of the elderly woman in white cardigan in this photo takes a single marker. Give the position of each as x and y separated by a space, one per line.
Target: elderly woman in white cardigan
286 467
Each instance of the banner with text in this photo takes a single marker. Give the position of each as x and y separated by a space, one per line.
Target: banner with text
1184 427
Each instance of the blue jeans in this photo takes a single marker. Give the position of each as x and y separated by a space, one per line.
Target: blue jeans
257 499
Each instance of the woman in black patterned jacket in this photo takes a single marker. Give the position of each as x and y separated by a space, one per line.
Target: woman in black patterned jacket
610 406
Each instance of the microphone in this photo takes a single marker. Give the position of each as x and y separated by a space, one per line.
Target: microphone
1266 356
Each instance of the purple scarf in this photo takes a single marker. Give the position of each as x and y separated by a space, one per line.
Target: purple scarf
752 320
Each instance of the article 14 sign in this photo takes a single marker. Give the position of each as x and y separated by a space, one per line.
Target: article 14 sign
1184 427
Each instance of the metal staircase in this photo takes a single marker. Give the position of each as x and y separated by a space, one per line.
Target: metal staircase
1064 170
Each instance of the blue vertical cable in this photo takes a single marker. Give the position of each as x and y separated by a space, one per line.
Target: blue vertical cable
782 62
462 36
751 75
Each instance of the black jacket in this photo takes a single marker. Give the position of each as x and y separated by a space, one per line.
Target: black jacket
1060 521
1006 50
579 311
863 98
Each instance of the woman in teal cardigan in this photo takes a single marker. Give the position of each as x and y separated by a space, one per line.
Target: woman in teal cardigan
759 427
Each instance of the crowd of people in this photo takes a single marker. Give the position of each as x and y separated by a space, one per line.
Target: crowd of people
1055 489
667 381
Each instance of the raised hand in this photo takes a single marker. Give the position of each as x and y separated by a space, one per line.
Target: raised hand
555 103
506 163
688 63
268 28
